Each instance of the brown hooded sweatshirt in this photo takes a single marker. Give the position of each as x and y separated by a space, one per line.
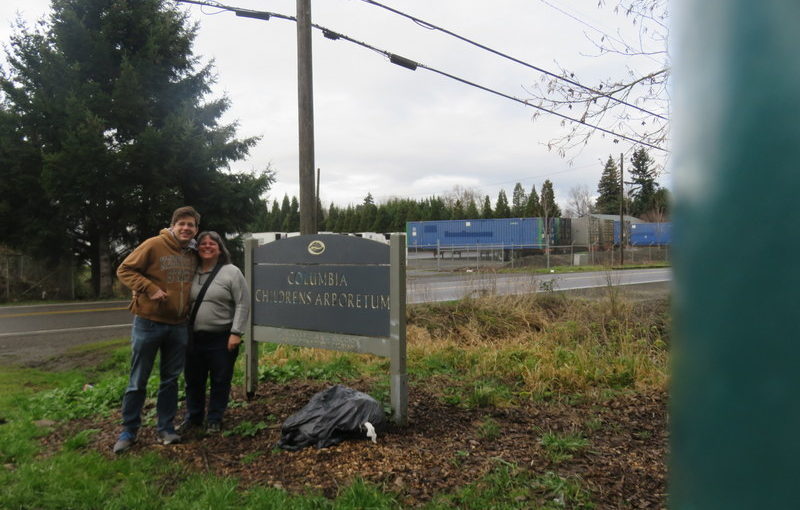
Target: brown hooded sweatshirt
159 263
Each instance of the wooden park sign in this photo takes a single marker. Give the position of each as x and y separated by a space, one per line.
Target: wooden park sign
330 291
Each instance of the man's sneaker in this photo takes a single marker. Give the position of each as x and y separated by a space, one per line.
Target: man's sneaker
214 428
169 437
125 441
187 426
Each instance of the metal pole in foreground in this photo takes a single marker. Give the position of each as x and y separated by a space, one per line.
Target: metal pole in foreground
305 117
735 383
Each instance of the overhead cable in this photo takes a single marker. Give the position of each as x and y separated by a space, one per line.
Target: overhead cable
245 13
603 34
412 65
513 59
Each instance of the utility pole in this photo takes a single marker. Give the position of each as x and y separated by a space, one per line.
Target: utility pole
305 117
546 230
317 203
621 212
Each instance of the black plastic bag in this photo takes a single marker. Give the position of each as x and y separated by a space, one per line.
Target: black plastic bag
331 416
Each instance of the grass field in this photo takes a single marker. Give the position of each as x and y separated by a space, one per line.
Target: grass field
541 401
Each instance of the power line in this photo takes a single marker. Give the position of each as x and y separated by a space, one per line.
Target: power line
412 65
513 59
598 30
552 112
582 22
245 13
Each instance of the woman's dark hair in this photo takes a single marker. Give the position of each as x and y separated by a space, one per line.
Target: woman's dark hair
224 254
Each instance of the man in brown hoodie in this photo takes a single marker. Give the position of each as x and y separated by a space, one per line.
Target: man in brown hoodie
159 272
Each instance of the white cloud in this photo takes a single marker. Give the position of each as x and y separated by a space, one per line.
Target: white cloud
389 131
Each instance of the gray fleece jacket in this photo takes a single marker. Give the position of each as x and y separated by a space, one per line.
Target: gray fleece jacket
227 300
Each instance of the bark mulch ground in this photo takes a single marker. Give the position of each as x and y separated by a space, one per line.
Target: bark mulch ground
443 448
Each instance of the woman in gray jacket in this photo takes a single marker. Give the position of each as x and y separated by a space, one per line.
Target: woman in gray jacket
217 333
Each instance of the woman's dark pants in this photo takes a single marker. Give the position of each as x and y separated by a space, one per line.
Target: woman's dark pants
208 359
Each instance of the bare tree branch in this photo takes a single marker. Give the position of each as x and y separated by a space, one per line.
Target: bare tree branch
645 117
579 203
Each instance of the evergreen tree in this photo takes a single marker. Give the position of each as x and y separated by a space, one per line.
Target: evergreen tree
519 200
608 189
285 217
414 212
471 212
368 213
643 176
423 210
273 222
319 215
397 211
486 210
22 196
457 212
113 131
533 208
550 208
501 209
352 219
332 219
382 220
341 222
286 221
405 210
263 222
438 211
294 215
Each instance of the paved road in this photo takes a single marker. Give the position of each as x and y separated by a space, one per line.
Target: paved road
38 332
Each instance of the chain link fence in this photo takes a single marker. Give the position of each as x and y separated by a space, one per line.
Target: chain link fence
23 278
488 258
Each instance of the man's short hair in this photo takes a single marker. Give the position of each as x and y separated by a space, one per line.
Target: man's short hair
184 211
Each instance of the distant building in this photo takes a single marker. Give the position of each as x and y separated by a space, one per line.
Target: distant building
598 229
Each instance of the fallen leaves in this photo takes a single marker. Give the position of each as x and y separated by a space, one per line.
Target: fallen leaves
440 451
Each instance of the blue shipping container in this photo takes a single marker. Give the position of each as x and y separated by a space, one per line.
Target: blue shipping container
511 232
649 234
646 234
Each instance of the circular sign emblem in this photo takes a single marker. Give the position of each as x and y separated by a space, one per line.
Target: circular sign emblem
316 247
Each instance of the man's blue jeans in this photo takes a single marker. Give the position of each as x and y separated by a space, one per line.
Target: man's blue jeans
148 338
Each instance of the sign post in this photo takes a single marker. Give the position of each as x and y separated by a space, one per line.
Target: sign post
333 292
397 334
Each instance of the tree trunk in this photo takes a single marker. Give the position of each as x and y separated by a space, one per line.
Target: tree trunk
102 277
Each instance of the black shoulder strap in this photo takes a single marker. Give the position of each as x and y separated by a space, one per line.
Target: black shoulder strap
202 294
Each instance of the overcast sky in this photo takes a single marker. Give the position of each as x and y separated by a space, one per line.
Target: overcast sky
386 130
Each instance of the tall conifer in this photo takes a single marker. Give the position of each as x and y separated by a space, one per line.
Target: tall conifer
115 130
608 189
